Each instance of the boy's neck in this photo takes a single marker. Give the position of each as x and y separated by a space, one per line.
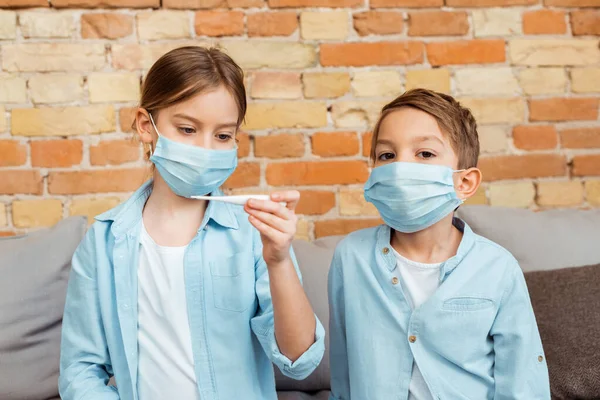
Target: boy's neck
435 244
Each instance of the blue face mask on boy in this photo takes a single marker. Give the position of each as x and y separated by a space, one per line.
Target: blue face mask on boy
192 170
411 196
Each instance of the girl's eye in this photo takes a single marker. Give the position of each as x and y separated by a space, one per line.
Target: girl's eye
187 131
386 156
224 137
425 154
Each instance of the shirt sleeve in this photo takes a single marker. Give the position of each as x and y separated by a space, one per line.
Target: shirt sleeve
263 324
340 376
84 359
520 369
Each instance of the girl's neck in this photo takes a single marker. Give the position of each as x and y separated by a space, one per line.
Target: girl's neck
435 244
171 220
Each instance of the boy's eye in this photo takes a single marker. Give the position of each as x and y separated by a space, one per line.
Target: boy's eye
224 137
425 154
386 156
186 130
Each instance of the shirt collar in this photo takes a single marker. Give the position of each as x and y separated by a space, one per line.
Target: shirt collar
128 214
384 247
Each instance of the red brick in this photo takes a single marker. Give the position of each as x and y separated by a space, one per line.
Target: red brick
482 51
56 153
7 233
106 26
243 142
544 22
406 3
246 3
522 166
585 22
315 202
279 146
23 3
563 109
246 174
126 118
378 23
586 165
219 23
272 23
366 54
193 4
317 173
331 144
437 23
21 182
97 181
367 137
537 137
12 153
489 3
580 138
572 3
336 227
315 3
114 152
106 3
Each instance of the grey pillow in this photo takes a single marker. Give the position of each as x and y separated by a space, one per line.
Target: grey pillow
35 271
544 240
313 260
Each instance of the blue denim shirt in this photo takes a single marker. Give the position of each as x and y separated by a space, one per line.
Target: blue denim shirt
228 299
475 338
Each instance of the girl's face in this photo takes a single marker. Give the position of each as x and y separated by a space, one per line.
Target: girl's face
206 120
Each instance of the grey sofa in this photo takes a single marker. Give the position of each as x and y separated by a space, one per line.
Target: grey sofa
34 271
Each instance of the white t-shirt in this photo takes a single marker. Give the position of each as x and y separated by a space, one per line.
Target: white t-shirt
166 363
419 282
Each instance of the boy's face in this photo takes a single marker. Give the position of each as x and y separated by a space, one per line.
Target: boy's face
411 135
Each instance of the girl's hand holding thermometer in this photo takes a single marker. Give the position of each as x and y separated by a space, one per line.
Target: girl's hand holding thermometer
276 220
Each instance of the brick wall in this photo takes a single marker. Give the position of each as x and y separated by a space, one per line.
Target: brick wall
318 73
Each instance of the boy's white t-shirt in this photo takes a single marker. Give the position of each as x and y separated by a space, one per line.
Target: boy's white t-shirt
419 281
166 362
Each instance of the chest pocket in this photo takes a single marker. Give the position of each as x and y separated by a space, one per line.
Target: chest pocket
233 282
467 304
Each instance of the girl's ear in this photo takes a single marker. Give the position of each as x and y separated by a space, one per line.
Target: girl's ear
468 183
144 127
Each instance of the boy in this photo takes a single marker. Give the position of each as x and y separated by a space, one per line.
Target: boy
421 307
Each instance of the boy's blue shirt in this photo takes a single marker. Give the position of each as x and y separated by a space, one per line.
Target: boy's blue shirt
475 338
229 307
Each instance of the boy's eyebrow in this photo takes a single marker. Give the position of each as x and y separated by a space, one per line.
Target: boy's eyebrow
199 123
425 138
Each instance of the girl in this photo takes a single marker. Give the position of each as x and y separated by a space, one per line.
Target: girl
181 298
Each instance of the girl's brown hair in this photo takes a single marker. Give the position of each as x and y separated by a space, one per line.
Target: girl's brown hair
453 119
187 71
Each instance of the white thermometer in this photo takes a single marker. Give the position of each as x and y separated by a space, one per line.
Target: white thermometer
239 200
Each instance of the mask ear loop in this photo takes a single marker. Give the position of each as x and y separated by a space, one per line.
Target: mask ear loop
157 133
459 170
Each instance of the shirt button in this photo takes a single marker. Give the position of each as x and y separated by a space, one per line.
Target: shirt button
412 338
395 281
540 358
386 250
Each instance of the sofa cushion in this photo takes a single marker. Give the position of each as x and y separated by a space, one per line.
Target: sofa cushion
313 259
543 240
35 271
567 308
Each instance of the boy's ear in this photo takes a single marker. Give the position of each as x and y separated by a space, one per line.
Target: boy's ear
468 182
143 126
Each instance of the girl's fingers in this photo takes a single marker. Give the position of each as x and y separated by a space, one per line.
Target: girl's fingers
273 234
270 207
289 197
271 220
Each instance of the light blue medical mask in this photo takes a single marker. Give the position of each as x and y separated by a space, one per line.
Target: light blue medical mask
412 196
192 170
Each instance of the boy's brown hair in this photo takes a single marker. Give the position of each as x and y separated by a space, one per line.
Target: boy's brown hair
453 119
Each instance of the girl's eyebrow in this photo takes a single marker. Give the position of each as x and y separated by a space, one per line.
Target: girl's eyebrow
199 123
